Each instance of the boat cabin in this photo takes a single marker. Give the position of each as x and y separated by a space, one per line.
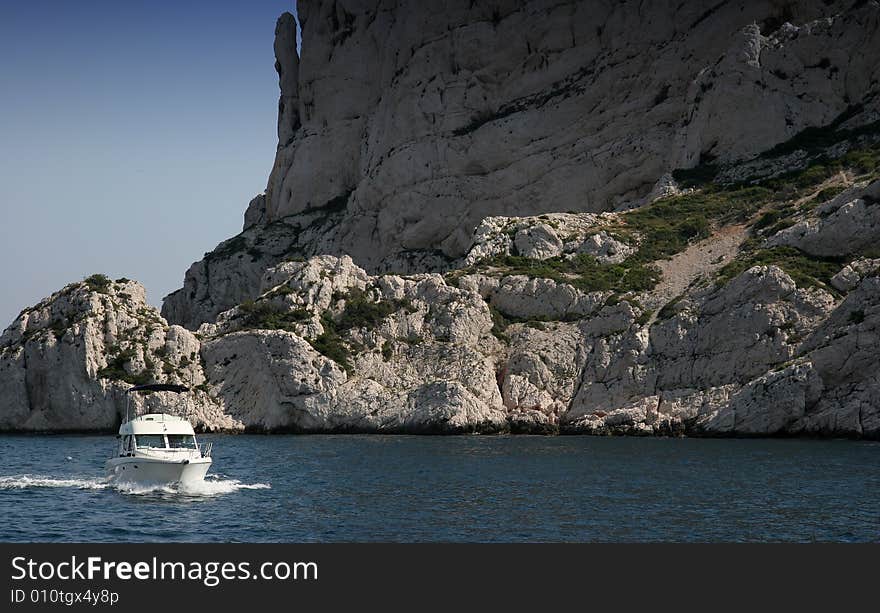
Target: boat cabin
159 434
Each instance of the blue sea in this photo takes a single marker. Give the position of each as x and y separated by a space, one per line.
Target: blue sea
288 488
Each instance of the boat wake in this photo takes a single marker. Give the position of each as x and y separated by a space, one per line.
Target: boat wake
211 486
21 482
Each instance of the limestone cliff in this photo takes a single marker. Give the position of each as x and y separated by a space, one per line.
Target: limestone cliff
403 124
531 217
585 333
763 339
66 362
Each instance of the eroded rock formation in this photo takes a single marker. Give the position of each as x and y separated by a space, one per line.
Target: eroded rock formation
66 362
572 217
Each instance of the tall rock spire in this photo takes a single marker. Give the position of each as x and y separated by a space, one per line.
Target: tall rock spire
287 65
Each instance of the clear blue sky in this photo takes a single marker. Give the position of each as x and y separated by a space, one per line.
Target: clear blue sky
133 133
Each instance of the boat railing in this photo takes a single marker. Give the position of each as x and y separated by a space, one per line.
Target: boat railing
152 452
164 453
205 449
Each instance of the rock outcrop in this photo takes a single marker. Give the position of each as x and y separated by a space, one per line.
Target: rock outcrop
350 352
65 363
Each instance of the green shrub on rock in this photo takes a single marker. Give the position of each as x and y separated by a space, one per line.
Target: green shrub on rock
98 283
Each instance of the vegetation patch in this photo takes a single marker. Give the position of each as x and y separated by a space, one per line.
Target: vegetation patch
815 142
582 271
331 344
859 161
661 229
453 277
499 324
828 193
804 269
645 317
501 321
59 327
98 283
777 219
773 216
360 312
115 368
670 309
281 290
264 315
669 225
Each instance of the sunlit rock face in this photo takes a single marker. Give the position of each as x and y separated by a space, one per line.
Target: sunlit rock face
403 124
328 347
66 362
425 119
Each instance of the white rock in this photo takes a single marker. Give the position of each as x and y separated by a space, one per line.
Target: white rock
843 226
54 362
851 275
539 242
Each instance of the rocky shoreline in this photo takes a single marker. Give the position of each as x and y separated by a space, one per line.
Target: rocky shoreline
765 340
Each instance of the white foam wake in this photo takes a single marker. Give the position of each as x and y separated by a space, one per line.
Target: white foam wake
20 482
211 486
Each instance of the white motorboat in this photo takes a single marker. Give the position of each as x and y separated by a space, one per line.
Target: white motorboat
158 448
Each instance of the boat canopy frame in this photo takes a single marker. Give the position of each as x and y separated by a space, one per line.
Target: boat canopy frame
150 387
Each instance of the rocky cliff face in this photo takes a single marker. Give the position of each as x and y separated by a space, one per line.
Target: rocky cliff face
550 217
404 124
768 341
579 335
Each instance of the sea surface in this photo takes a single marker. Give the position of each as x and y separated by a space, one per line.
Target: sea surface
462 488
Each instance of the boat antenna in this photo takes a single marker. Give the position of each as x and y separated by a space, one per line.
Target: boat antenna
192 380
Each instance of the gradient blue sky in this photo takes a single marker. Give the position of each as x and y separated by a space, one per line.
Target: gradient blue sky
132 136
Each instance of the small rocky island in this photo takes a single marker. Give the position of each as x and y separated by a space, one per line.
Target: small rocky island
549 219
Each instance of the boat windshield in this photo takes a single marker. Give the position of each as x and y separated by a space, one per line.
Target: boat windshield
156 441
181 441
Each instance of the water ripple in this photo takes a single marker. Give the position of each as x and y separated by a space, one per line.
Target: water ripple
387 488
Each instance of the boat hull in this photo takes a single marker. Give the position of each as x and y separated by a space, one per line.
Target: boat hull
155 471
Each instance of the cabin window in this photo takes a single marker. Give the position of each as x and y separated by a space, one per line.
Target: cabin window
126 444
181 441
157 441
